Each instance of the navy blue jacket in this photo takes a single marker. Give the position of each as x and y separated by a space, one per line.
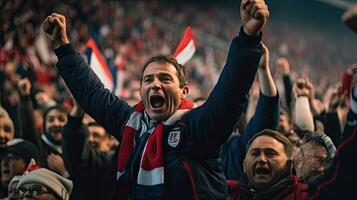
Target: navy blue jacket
191 168
339 181
266 116
90 169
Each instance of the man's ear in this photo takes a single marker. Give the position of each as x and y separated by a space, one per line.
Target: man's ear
290 166
185 91
244 165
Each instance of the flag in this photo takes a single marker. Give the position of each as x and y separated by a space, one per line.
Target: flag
119 62
99 66
186 47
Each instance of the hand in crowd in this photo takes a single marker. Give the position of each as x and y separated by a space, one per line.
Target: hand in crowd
254 15
336 98
300 88
350 18
24 87
264 60
77 110
55 26
56 164
282 65
42 98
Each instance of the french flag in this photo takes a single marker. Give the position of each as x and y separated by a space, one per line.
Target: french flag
97 62
186 47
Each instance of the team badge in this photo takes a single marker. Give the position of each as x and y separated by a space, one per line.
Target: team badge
174 138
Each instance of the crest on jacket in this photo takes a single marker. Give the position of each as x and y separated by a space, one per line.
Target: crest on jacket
174 137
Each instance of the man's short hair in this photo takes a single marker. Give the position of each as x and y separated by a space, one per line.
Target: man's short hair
181 70
278 136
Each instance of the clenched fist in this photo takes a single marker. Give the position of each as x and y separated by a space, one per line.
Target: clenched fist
254 14
55 26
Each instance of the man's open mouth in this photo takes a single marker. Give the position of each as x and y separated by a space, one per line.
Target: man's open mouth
5 172
262 171
157 101
55 129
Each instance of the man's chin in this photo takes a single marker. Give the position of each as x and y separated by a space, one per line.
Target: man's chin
57 136
157 114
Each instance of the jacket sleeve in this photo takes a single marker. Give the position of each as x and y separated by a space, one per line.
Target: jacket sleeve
27 122
82 160
266 116
74 138
107 109
332 127
342 170
210 125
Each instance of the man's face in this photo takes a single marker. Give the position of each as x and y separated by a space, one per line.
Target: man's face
311 161
35 191
98 138
284 124
55 120
265 162
6 130
160 90
11 165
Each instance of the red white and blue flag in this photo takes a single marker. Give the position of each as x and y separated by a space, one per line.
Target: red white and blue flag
99 66
119 62
186 47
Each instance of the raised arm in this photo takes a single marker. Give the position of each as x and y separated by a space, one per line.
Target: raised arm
211 124
266 116
283 66
74 139
303 115
107 109
26 114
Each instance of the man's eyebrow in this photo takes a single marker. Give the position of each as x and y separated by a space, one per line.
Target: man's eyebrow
264 149
148 76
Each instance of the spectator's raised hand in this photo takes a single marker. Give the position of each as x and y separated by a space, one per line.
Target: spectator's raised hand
336 98
55 26
77 110
282 64
56 164
24 86
350 18
266 81
311 88
254 14
264 60
299 88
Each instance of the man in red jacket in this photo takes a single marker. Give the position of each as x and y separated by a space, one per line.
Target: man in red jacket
268 170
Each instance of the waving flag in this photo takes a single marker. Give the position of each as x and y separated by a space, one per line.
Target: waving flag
120 62
186 47
99 66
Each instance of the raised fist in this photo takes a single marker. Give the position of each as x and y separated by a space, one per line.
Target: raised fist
55 26
254 14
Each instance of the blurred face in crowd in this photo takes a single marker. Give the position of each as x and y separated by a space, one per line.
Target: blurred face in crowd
311 161
265 162
35 191
11 165
284 124
55 120
98 138
160 90
6 130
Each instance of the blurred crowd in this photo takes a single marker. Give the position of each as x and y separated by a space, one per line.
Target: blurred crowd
38 107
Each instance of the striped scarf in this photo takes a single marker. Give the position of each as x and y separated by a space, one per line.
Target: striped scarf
150 179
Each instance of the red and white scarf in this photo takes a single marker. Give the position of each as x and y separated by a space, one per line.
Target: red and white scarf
151 172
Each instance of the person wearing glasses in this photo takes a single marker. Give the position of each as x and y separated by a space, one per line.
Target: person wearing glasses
43 184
